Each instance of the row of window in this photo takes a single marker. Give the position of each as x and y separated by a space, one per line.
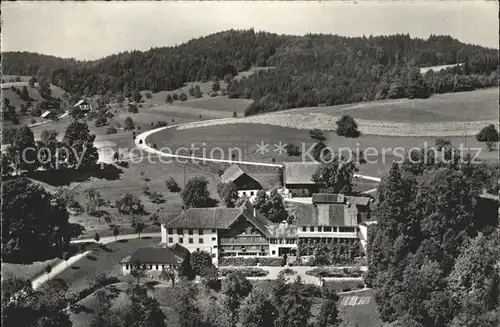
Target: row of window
146 266
283 241
330 229
190 240
180 231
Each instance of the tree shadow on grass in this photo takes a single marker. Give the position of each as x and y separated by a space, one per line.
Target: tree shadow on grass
75 267
105 248
67 176
78 308
151 284
122 241
91 257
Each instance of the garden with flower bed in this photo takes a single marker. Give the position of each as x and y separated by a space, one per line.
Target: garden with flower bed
247 271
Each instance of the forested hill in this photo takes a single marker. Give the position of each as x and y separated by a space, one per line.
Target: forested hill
310 69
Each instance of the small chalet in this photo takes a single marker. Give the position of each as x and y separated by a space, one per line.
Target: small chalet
297 178
246 184
84 105
152 260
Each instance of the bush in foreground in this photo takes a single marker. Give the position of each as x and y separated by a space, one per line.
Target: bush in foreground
172 185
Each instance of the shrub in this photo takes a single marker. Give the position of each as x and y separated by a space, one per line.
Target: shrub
175 96
133 109
292 150
148 95
488 134
317 134
111 130
347 126
160 123
129 124
310 290
288 271
172 185
233 95
183 97
235 114
237 261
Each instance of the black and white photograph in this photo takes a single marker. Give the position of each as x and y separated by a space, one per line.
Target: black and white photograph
250 164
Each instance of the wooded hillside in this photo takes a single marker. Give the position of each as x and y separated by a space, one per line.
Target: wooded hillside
310 69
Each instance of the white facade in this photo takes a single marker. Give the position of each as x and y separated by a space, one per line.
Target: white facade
327 232
192 239
152 268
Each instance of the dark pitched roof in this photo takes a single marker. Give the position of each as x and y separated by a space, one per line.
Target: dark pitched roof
331 214
179 250
218 218
234 172
153 255
231 173
299 172
261 223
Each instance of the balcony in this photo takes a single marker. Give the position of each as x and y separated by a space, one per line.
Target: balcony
252 240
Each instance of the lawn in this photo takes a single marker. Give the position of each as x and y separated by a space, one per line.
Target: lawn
104 260
26 271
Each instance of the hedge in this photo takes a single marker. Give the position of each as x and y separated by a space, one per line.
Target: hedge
344 286
241 261
248 272
335 272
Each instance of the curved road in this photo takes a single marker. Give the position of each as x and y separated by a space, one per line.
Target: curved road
142 137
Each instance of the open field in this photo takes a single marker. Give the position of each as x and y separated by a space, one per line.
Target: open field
245 137
220 103
471 106
454 114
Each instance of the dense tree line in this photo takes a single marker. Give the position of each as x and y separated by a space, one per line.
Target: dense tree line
433 256
309 70
75 151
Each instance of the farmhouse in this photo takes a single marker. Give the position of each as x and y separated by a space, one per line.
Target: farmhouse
243 231
297 178
246 184
152 260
